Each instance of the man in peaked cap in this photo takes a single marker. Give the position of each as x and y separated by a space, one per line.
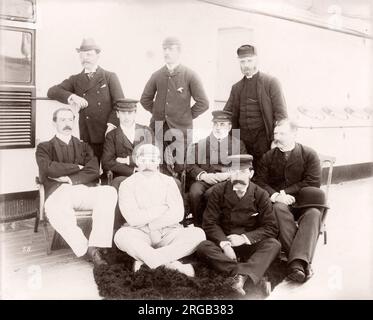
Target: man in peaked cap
284 172
121 142
167 95
256 102
240 227
93 92
207 161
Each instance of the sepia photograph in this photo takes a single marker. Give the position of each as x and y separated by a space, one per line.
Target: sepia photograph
201 150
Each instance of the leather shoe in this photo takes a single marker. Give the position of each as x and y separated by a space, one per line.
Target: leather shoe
297 275
238 284
93 255
265 286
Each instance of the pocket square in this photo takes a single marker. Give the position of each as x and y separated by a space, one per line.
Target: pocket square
255 214
103 86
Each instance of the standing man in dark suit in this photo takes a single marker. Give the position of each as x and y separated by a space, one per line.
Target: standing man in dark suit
256 102
69 171
207 161
93 92
121 142
167 95
240 227
285 171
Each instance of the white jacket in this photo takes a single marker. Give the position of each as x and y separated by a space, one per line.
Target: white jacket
154 201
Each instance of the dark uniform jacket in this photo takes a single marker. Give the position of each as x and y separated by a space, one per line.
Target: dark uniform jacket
117 145
173 96
227 214
271 102
100 92
50 161
206 155
302 169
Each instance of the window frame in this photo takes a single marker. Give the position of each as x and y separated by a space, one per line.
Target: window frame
33 37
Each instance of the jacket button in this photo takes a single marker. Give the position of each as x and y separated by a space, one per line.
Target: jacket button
99 103
87 117
83 94
98 91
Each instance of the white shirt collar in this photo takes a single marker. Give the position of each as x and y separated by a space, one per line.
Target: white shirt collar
129 132
249 77
94 70
288 148
63 137
172 68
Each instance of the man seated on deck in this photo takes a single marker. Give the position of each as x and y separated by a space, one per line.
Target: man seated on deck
240 227
122 141
153 207
291 174
70 171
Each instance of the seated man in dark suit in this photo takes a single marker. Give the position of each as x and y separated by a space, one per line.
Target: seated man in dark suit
207 162
284 172
121 142
69 171
240 224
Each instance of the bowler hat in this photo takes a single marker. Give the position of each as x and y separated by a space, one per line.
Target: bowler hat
310 197
169 41
221 115
125 104
88 44
241 161
246 50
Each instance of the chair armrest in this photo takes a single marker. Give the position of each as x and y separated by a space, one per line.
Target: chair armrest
40 186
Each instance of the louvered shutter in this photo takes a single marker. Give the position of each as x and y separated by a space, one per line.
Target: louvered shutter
17 112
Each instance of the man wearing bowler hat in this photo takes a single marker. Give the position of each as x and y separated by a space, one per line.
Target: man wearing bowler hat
240 227
167 95
291 174
207 161
93 91
256 102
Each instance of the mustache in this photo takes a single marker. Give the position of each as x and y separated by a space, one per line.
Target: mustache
67 127
238 181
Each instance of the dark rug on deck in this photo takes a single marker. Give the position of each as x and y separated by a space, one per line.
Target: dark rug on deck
118 281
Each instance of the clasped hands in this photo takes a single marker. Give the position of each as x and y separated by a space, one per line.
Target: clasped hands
285 198
235 240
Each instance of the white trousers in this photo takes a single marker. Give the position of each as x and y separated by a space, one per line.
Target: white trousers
60 209
175 243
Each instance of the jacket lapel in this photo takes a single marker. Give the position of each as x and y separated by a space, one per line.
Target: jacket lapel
294 157
122 137
259 90
57 149
78 150
85 84
235 202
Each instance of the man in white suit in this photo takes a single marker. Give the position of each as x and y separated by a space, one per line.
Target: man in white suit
152 205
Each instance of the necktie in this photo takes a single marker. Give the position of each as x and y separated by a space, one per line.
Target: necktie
90 75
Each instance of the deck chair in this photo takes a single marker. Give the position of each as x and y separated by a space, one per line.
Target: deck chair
326 162
42 218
